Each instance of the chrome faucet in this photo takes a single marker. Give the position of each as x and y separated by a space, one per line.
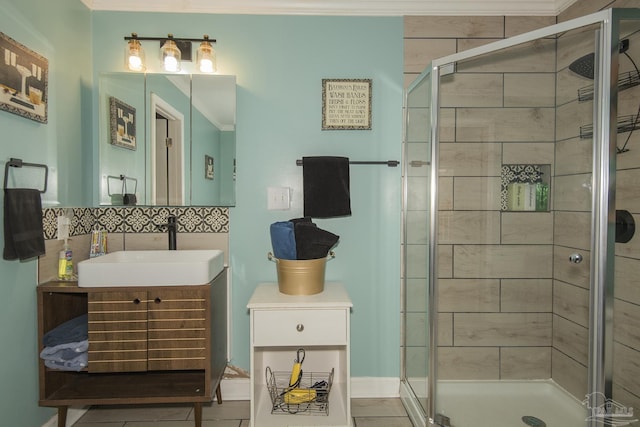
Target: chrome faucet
171 226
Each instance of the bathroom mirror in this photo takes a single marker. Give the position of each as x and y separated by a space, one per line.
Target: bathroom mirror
166 140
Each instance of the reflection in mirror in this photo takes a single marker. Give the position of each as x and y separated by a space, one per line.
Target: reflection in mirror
213 140
184 150
169 115
121 145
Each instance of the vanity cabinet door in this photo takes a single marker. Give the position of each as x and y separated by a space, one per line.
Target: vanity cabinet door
117 331
178 337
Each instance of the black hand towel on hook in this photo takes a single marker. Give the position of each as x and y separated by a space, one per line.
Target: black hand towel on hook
326 186
23 233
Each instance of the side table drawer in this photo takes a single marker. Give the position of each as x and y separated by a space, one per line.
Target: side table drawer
299 327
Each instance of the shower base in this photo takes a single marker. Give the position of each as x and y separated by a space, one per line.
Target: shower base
505 403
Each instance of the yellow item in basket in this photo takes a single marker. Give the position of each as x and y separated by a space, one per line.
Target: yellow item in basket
296 371
299 395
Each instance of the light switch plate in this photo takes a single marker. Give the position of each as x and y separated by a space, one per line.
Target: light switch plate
278 198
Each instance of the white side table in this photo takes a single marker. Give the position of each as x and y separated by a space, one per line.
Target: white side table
280 325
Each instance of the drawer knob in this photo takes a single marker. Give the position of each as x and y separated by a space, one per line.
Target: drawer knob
157 300
299 327
136 301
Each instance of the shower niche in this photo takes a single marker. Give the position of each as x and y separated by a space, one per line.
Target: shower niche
525 188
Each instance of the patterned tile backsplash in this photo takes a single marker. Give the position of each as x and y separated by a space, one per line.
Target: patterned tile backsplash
137 220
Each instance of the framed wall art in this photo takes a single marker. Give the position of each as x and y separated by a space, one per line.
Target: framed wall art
23 80
208 167
346 104
122 119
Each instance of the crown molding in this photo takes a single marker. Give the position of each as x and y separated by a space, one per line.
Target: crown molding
340 7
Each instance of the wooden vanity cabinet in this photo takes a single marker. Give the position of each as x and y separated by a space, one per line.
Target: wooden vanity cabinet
156 330
147 345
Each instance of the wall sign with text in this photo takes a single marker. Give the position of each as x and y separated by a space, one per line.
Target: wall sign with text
346 104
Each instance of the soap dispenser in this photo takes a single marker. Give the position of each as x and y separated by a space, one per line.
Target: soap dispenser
65 262
65 257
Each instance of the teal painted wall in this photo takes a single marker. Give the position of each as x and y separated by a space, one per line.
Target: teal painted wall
63 144
279 62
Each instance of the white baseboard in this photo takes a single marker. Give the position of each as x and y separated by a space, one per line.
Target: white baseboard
235 389
240 389
370 387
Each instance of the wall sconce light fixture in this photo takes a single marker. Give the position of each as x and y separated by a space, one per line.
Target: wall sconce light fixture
173 51
206 57
171 55
134 54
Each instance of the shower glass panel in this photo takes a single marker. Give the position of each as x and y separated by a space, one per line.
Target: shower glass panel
626 303
417 153
507 287
532 143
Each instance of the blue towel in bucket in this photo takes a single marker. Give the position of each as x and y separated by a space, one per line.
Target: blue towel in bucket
283 240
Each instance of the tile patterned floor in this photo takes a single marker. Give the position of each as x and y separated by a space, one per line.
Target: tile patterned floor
365 412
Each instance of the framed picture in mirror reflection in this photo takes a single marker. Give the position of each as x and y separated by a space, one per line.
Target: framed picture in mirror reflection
122 119
208 167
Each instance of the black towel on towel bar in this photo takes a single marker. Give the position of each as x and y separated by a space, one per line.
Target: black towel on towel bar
326 186
23 233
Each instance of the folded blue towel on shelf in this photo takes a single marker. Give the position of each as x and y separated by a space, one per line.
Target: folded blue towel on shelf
73 330
76 364
64 352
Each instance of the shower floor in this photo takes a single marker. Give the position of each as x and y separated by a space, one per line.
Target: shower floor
504 403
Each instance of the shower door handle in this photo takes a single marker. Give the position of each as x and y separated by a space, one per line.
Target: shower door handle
575 258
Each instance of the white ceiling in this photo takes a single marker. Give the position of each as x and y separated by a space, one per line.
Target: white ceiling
341 7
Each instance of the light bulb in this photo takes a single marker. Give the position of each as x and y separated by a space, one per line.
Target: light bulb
135 63
170 64
206 66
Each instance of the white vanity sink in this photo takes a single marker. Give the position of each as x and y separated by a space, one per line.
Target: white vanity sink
151 268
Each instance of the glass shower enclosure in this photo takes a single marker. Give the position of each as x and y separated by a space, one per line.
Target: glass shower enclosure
521 274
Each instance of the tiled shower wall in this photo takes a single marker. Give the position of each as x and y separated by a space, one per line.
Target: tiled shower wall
495 284
494 317
493 325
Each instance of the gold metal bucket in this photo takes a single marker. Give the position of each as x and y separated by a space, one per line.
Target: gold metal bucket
301 277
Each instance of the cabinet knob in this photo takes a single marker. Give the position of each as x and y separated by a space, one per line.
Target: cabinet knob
157 300
136 301
299 327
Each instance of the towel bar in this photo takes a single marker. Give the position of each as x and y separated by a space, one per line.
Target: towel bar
390 163
18 163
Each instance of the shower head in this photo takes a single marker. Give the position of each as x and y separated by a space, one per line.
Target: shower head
584 65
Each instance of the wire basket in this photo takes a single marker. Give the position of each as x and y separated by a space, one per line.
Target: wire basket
309 397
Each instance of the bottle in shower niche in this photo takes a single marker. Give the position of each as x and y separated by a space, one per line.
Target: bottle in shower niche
542 196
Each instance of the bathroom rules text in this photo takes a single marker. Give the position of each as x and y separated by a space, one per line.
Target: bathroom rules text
346 104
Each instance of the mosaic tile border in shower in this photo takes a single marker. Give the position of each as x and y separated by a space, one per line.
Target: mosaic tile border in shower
137 220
